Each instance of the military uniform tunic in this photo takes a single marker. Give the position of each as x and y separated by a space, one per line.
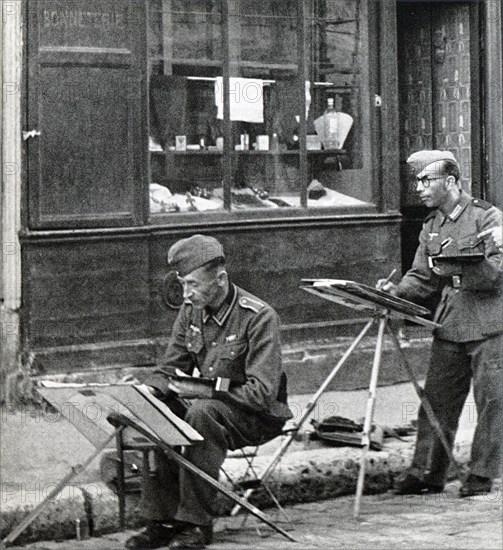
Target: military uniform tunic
470 307
468 346
240 342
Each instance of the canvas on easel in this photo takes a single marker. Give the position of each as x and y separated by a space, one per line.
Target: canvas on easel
104 412
366 298
87 407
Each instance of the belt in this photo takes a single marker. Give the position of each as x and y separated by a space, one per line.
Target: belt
454 281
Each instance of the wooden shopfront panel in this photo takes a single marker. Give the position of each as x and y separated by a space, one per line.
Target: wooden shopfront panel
87 168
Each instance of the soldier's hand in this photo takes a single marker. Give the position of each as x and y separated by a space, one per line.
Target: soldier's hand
386 286
129 379
190 390
154 391
494 235
446 267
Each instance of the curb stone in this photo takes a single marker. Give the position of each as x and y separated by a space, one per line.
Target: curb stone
306 475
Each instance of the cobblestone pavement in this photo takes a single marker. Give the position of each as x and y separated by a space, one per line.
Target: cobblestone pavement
386 521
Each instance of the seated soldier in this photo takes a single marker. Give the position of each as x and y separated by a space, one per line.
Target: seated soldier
222 331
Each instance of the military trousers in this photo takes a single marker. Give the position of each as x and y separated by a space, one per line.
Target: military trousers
453 367
172 492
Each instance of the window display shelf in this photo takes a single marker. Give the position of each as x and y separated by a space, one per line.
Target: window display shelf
290 152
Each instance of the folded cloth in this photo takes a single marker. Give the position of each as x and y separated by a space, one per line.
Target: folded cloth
161 199
188 203
246 99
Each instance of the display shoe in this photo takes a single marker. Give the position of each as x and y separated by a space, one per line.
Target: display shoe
412 485
196 536
155 535
475 485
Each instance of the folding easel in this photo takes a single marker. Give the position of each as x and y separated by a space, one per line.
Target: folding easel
102 413
381 306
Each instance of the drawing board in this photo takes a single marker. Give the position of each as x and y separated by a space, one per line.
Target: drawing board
365 298
87 406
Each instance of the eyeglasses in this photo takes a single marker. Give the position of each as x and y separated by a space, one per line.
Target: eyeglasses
425 181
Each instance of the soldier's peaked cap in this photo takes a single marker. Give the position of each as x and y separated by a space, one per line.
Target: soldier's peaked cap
189 254
420 160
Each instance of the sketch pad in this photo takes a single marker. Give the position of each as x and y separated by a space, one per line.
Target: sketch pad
87 406
365 298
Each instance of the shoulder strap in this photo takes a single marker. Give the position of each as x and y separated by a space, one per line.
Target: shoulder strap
250 303
481 204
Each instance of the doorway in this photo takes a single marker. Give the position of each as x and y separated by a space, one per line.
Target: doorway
439 87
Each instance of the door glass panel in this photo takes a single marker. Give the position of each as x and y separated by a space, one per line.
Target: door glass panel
435 86
451 84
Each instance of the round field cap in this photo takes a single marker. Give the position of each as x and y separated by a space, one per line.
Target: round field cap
189 254
420 160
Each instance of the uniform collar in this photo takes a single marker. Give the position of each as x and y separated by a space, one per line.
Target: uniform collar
454 214
220 316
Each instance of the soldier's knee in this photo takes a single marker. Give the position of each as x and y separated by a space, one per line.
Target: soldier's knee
201 412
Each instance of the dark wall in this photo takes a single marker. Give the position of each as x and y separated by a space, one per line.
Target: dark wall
82 292
99 300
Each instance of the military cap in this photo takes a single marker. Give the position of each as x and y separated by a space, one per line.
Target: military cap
420 160
189 254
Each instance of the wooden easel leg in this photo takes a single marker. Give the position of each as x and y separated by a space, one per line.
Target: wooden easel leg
367 426
121 482
12 536
435 424
117 419
307 411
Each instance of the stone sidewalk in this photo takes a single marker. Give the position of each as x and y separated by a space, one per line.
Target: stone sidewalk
386 521
36 452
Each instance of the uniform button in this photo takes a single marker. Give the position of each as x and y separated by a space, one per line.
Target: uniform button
213 344
189 345
233 353
210 369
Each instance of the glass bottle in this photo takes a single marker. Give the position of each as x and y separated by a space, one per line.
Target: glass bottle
244 141
330 126
275 143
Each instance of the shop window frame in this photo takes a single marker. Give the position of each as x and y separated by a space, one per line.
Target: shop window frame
381 193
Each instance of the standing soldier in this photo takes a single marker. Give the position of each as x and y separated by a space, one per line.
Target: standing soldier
457 259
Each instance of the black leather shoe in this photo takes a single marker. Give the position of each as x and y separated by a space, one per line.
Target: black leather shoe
475 485
194 537
412 485
154 535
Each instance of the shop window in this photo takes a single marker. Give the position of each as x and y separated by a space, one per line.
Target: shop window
294 131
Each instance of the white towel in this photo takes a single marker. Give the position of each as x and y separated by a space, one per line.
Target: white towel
308 101
246 99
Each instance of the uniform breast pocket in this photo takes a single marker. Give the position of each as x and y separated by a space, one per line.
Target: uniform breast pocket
433 247
194 343
232 359
471 246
